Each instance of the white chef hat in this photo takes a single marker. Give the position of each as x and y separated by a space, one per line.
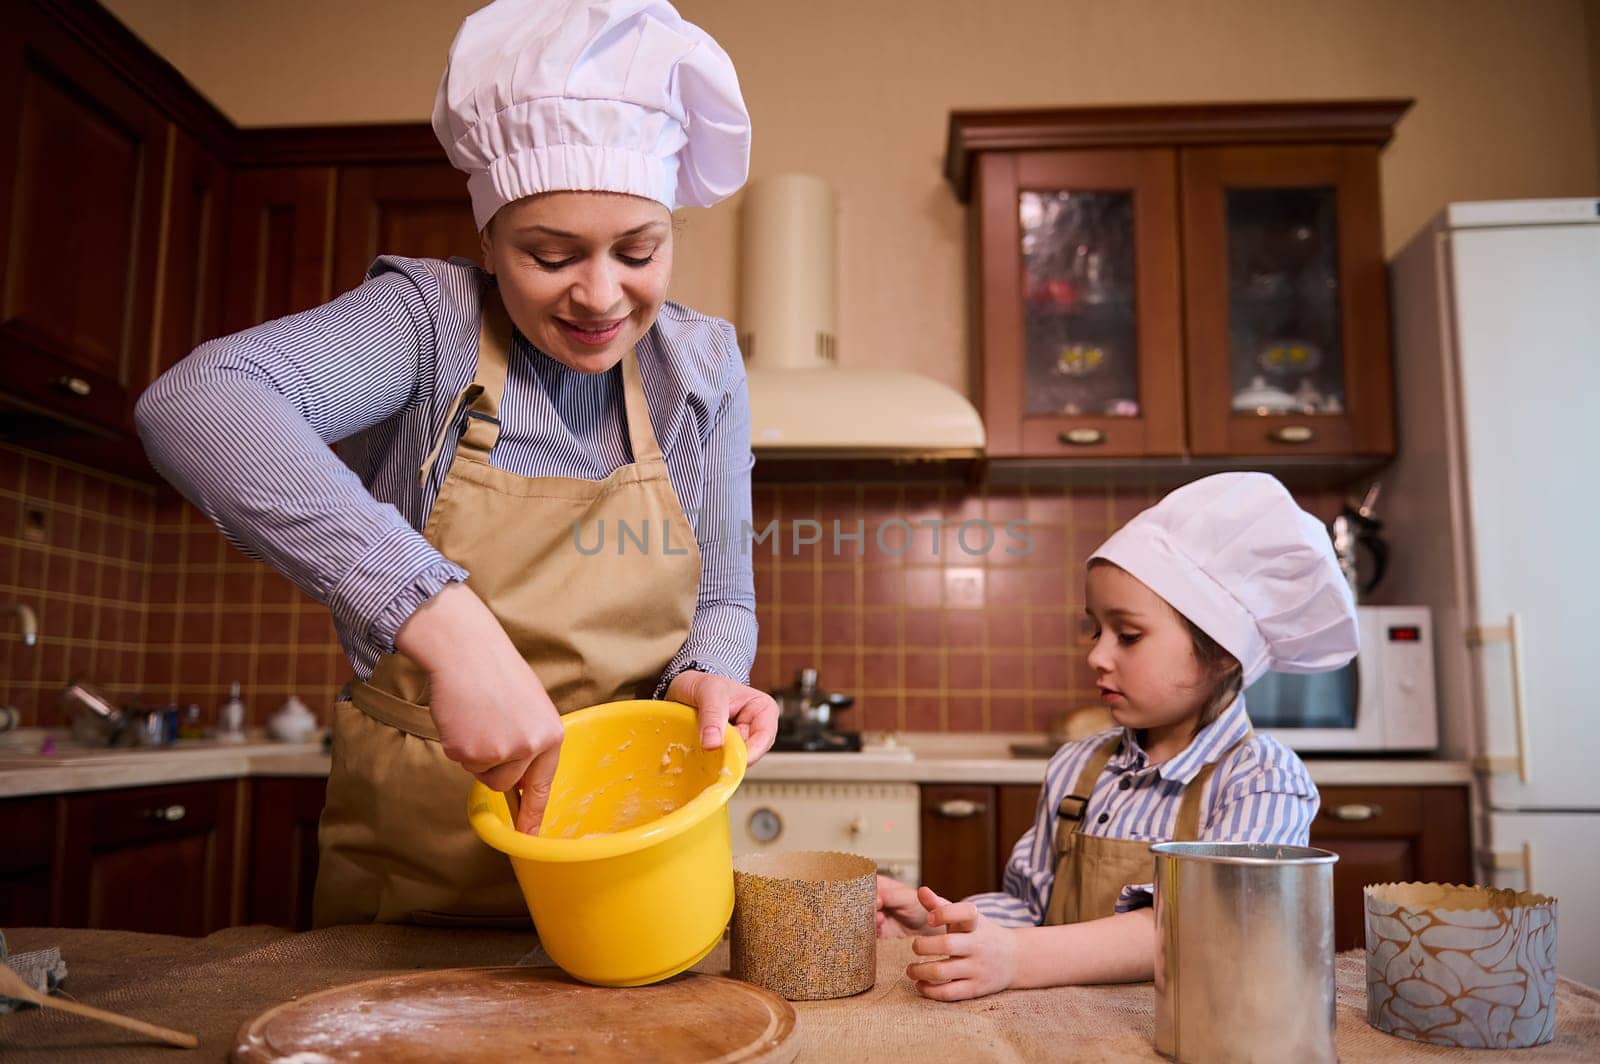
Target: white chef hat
601 95
1235 554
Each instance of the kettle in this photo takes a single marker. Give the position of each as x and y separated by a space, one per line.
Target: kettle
1355 531
806 709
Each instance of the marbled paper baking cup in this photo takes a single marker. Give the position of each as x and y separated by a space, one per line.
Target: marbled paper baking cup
1471 967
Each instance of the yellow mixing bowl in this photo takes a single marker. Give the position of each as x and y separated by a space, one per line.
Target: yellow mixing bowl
630 879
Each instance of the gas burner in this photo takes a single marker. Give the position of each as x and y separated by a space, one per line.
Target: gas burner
831 742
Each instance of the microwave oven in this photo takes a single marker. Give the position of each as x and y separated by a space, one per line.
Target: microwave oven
1382 701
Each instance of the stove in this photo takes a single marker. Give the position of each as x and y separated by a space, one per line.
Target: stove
824 742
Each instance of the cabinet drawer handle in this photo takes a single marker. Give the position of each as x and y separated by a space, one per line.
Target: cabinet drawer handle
170 813
1355 812
73 385
1293 434
960 808
1081 437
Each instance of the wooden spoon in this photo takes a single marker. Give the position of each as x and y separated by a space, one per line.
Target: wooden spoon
11 985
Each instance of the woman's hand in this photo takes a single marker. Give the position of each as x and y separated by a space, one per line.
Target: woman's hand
899 912
493 714
978 956
719 702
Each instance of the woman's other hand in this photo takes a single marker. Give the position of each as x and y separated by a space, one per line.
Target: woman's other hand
493 714
976 955
719 702
899 912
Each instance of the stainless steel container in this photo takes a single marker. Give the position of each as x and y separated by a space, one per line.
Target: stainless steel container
1244 953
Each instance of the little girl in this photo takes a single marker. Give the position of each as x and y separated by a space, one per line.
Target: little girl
1196 597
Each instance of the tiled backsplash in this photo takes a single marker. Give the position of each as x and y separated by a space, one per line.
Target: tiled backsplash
137 593
75 547
929 624
936 633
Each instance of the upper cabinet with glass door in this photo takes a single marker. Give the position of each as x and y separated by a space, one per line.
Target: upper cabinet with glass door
1286 300
1079 300
1169 281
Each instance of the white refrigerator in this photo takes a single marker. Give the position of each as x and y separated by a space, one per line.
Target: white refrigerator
1493 514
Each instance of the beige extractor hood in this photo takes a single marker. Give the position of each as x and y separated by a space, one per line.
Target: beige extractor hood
802 403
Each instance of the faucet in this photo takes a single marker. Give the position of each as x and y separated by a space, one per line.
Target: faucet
26 620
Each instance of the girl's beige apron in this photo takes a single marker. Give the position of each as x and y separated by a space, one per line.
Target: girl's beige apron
394 839
1091 870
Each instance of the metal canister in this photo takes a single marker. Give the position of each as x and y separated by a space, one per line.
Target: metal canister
1244 953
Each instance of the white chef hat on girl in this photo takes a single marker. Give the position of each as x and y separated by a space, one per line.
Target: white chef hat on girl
1235 554
599 95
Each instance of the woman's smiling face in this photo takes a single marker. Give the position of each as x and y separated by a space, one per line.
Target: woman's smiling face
582 274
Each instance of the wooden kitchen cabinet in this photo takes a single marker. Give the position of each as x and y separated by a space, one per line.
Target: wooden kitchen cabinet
1390 835
158 859
280 222
968 831
1198 281
183 859
193 263
283 849
1286 297
419 210
82 159
958 838
1016 806
1081 337
140 222
27 860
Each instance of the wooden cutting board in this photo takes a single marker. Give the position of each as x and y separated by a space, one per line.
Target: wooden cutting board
509 1014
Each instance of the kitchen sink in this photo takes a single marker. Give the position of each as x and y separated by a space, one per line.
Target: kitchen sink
22 751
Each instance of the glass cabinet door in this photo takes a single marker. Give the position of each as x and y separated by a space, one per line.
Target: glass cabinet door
1080 304
1080 337
1287 337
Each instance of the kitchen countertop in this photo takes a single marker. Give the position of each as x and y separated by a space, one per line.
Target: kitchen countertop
212 986
907 757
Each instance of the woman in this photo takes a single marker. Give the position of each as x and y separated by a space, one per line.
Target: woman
495 421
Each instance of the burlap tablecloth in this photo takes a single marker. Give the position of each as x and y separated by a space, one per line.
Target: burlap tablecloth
211 986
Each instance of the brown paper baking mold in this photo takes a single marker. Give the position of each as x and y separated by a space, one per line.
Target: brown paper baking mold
803 923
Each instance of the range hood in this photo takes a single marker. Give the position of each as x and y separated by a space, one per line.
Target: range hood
802 403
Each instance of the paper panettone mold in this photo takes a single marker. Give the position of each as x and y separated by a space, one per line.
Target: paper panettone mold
803 923
1471 967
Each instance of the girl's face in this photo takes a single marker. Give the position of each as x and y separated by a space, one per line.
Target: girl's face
1143 656
582 274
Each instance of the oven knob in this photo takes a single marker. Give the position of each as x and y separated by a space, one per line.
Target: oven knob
858 826
764 825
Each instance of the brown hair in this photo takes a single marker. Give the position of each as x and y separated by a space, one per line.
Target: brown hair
1218 666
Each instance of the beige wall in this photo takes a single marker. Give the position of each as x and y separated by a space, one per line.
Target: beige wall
858 91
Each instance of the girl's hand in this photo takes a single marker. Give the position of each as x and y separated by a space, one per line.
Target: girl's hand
979 956
493 714
899 912
720 702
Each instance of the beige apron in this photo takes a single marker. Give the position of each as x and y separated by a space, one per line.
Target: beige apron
1091 870
394 839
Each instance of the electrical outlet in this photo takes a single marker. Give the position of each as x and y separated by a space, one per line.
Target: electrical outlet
35 527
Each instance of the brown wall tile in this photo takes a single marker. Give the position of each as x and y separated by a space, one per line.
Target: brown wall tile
133 584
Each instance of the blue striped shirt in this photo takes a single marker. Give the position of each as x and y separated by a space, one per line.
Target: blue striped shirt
1260 793
242 428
